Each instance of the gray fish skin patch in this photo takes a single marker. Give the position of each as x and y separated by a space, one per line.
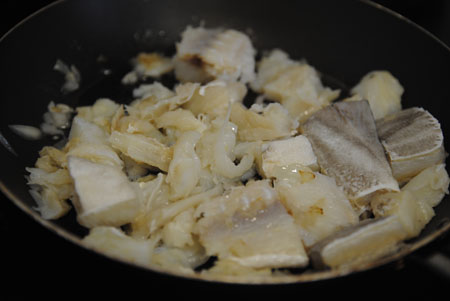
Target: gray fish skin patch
345 140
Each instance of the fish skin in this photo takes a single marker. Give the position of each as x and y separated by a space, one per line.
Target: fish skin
405 124
413 141
345 141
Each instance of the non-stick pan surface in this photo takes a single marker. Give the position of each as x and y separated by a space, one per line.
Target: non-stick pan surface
343 39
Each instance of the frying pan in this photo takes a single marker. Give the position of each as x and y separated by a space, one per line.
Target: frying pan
343 39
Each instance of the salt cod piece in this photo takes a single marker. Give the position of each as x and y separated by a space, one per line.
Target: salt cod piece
214 98
142 149
115 243
273 122
414 203
104 196
148 64
250 227
279 153
345 141
413 141
382 90
362 243
89 141
207 54
398 216
295 84
319 207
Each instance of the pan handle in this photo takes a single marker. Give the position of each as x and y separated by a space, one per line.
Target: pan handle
437 263
434 259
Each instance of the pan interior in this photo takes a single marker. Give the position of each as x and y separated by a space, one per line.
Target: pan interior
343 42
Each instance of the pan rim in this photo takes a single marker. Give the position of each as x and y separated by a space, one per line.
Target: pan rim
32 15
285 279
407 20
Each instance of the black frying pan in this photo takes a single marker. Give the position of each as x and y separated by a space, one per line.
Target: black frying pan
342 39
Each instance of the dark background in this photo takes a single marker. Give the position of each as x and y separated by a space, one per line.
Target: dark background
48 267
